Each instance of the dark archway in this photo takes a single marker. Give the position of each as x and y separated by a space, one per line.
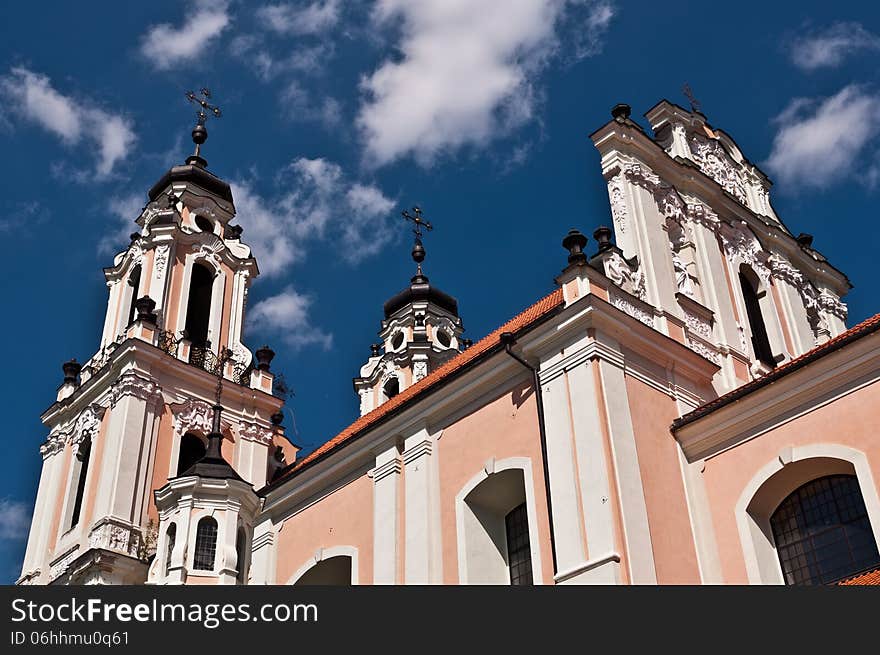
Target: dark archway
192 449
134 283
331 571
198 308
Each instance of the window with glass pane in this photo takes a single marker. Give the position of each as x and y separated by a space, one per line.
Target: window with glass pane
206 545
822 532
519 554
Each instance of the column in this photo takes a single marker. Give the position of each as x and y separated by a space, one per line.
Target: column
386 501
422 511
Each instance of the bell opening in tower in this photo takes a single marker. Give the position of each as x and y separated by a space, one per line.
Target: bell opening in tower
134 282
760 341
198 308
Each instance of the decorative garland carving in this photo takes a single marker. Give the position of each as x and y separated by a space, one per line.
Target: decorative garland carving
706 351
133 384
628 307
698 325
420 370
616 194
162 253
193 416
254 432
714 161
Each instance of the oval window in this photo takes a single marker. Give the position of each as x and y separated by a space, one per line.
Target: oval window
443 338
204 224
397 341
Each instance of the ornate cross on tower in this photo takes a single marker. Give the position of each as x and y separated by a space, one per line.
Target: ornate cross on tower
199 133
418 251
689 94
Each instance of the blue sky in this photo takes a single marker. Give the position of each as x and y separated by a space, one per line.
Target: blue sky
337 115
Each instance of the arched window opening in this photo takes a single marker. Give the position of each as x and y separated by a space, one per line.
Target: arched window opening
198 308
497 548
206 544
134 283
331 571
240 540
204 224
81 470
391 388
760 341
822 532
170 538
192 449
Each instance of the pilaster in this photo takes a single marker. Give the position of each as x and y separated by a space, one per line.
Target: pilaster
386 508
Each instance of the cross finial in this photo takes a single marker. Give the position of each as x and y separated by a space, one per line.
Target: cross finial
418 251
199 133
689 94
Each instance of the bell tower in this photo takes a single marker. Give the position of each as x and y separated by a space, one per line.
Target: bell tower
139 412
421 330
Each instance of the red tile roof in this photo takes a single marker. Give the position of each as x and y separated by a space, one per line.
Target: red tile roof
869 578
862 329
460 361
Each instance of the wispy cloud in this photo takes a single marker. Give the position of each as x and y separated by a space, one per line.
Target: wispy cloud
167 44
828 47
466 72
821 140
313 197
31 97
299 18
14 520
287 315
124 210
298 104
254 52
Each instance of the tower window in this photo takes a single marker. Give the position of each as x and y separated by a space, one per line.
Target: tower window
170 538
81 470
192 449
519 552
822 532
443 338
391 388
134 283
240 539
760 342
206 544
397 341
198 308
204 224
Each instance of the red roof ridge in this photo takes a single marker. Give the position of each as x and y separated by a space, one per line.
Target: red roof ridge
864 328
521 320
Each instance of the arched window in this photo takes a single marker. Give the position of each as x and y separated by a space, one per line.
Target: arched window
240 540
748 281
134 283
198 308
192 449
391 388
822 532
495 530
170 538
206 544
80 471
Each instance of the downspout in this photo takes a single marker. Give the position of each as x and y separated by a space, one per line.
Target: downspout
508 339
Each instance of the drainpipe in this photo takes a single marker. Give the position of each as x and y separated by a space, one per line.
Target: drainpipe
508 339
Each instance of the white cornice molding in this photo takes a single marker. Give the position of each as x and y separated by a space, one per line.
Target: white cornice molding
800 392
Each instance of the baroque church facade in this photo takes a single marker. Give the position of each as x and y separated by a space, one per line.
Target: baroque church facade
686 406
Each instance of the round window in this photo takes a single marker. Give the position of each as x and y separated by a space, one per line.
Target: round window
443 338
204 224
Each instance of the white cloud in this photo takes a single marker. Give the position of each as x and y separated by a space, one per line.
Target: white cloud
14 520
820 140
32 97
314 198
309 60
466 72
829 47
125 210
287 314
166 45
300 18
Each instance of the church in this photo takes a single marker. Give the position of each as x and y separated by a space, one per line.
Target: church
687 406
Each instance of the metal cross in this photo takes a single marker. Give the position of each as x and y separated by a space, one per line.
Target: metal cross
203 105
689 94
418 222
